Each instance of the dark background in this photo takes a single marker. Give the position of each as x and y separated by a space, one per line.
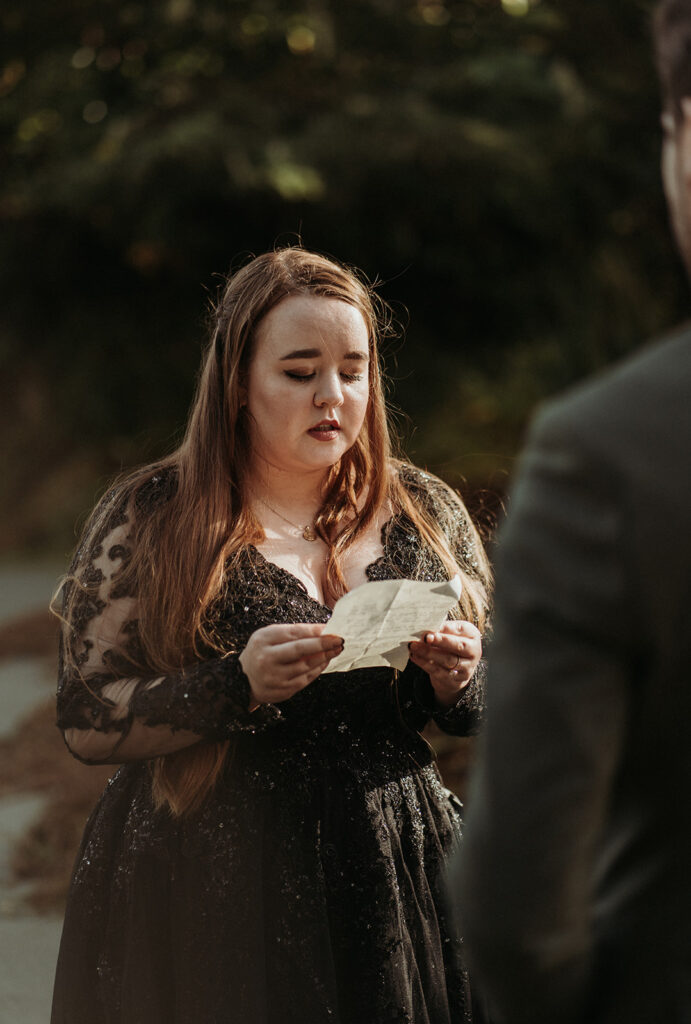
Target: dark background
495 163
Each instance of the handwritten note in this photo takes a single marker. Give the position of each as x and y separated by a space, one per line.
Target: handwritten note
378 620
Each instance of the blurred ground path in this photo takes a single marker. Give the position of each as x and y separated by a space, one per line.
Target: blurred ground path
27 587
28 943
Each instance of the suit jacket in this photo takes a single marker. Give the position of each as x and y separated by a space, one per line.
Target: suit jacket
574 884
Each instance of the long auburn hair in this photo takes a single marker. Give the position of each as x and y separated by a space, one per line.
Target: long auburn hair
183 547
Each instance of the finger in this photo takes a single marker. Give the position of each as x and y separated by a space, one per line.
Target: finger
287 676
300 668
309 663
434 661
321 656
460 627
418 654
281 690
296 649
306 664
319 643
316 671
284 633
448 662
422 655
302 680
449 642
432 668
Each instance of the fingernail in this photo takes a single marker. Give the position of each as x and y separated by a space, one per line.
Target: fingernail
429 637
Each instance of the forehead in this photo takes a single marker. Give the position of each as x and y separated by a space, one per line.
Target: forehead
311 321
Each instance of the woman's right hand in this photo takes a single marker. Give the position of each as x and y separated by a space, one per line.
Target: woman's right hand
280 660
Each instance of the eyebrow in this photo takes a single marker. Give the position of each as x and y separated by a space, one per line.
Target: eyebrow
315 353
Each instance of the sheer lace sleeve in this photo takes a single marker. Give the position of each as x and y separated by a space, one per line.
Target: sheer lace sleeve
416 692
446 507
109 711
418 704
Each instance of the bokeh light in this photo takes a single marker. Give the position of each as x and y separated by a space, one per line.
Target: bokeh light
301 40
83 57
95 111
517 8
433 12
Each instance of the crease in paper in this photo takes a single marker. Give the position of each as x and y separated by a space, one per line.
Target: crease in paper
378 620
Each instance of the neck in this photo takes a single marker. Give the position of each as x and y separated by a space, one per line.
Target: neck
286 490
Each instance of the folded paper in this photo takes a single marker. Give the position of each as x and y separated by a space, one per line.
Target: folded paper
378 620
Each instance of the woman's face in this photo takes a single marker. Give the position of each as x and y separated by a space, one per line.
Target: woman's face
308 383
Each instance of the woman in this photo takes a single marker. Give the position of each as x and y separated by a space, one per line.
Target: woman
273 847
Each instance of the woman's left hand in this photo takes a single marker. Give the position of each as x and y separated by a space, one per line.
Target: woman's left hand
449 657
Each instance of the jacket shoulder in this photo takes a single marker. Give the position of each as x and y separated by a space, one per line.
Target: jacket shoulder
643 396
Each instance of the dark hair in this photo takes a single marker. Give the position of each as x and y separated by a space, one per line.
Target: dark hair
672 26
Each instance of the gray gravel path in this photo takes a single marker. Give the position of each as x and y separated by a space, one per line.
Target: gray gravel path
28 943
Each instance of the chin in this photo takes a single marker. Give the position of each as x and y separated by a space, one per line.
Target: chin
326 461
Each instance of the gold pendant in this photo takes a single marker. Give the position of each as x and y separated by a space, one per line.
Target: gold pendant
308 533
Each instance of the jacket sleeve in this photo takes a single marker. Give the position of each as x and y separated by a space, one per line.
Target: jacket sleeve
557 710
109 709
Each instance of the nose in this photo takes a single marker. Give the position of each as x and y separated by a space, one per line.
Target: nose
329 392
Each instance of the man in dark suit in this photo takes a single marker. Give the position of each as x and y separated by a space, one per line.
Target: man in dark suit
574 892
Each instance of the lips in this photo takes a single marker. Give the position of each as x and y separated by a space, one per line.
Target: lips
327 430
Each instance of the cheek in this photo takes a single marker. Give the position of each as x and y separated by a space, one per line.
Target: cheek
272 399
270 414
360 406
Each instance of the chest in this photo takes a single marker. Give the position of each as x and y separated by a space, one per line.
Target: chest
307 561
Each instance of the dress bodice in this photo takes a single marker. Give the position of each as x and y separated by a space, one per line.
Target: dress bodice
110 711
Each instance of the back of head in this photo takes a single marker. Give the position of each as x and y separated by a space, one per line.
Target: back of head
673 49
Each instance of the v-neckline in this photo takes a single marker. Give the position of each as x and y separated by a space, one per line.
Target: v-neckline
385 531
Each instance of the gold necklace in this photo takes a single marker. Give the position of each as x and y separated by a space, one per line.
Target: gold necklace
307 532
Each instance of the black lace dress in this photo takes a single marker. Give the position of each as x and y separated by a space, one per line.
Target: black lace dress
309 888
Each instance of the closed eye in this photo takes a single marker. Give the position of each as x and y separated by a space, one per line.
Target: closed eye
349 377
299 376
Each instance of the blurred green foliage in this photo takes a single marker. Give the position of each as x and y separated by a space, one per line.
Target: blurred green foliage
493 162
